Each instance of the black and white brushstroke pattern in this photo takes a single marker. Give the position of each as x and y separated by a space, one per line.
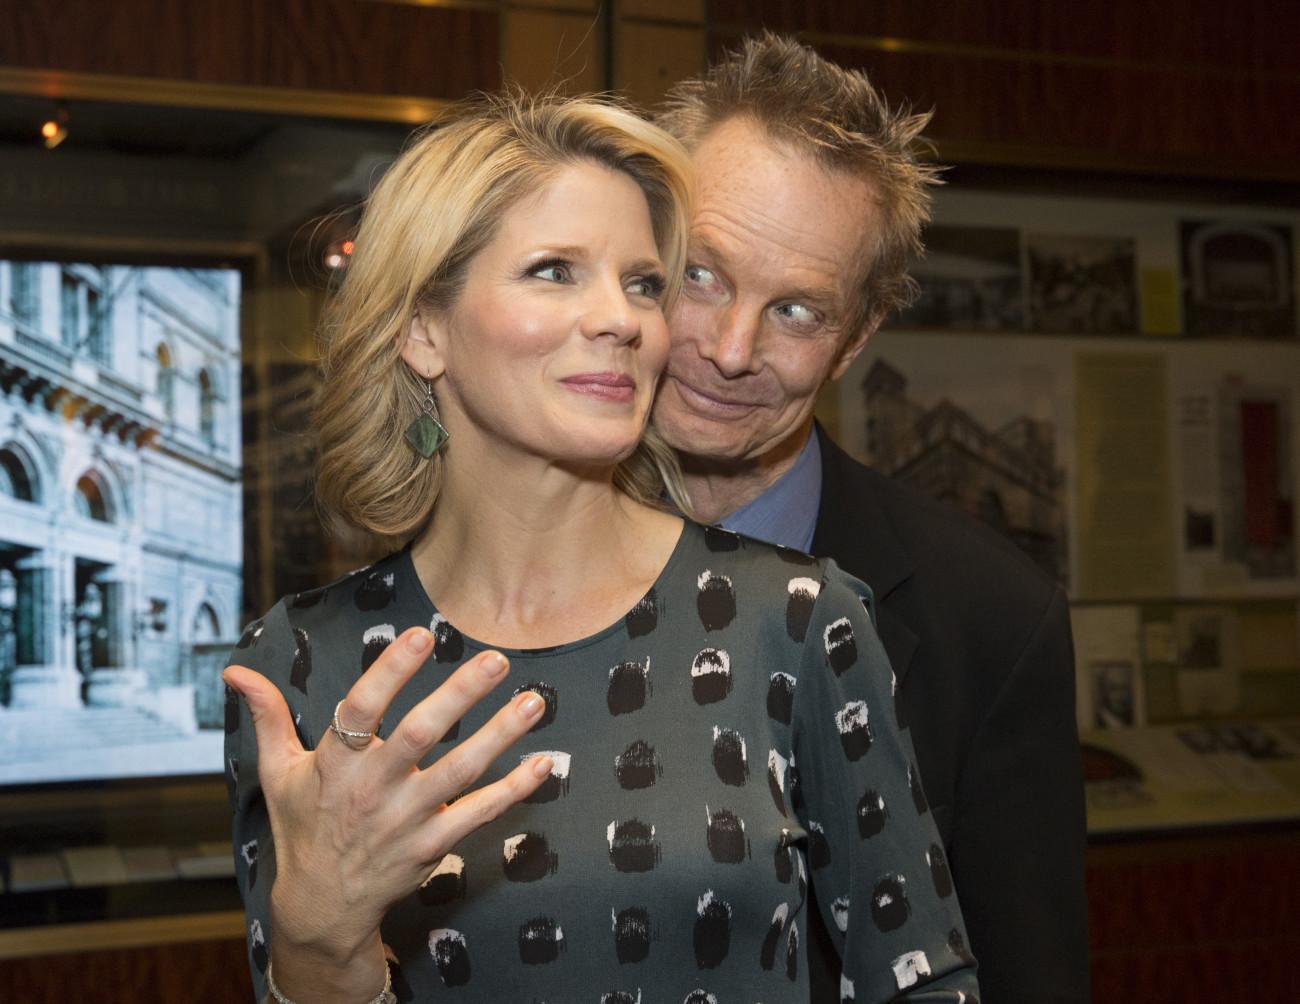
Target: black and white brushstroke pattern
710 676
373 643
450 955
716 601
445 883
650 820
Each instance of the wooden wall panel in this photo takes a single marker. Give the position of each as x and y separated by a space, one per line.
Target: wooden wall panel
1073 115
331 45
653 57
212 972
1251 34
1195 919
1190 88
554 50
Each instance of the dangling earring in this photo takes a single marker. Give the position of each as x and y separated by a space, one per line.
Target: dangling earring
426 433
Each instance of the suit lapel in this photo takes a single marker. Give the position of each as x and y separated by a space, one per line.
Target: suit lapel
854 528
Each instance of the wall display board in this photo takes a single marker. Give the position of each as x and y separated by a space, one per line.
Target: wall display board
1127 468
1114 385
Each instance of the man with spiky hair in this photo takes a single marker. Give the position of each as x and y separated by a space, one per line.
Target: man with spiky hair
811 200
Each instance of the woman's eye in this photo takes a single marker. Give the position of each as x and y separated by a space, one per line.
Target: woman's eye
649 286
552 273
798 313
698 276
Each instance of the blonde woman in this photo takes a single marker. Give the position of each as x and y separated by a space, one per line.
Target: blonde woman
701 724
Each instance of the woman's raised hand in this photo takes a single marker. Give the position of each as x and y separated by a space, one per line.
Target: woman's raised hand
357 825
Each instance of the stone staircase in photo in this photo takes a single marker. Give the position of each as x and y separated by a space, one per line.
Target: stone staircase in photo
34 734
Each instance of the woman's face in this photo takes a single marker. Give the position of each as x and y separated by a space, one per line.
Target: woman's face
557 341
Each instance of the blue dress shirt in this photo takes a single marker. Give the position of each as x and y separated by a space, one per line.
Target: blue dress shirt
786 513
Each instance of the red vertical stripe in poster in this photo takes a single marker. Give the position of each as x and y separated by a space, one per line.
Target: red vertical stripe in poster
1259 471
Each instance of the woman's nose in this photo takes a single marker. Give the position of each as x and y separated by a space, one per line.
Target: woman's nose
609 313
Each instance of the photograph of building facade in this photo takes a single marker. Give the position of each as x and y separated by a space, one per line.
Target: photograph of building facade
1006 477
120 517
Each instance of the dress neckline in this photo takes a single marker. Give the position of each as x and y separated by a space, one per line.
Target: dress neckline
439 623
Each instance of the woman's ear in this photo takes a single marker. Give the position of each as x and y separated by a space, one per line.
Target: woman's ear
422 348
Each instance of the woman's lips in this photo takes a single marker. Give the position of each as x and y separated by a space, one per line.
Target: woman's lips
605 386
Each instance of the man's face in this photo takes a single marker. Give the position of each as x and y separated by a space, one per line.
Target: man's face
771 286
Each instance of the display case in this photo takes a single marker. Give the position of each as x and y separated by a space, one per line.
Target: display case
161 275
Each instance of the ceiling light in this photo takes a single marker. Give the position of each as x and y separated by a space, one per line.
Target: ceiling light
55 130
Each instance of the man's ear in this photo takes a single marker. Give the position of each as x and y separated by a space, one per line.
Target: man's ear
423 345
856 343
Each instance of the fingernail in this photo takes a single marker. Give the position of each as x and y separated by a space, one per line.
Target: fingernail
542 767
494 665
418 640
531 706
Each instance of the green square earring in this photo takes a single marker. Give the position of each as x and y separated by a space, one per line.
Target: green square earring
426 433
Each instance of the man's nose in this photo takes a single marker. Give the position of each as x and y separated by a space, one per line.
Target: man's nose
732 351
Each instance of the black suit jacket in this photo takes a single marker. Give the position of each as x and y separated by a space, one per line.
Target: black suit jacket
979 640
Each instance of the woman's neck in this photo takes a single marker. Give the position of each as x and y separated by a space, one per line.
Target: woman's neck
533 559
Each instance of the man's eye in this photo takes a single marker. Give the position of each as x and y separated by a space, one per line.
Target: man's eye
698 276
798 313
552 273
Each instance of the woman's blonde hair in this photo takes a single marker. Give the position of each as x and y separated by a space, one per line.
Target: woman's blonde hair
436 207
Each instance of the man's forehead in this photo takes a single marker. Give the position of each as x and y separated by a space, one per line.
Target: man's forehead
743 128
763 204
740 162
758 143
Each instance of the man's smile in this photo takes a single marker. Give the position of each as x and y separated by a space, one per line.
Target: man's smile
709 401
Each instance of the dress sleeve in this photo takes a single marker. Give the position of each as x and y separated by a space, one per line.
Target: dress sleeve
876 860
270 647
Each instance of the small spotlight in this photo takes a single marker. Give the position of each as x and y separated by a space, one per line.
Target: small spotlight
336 255
55 130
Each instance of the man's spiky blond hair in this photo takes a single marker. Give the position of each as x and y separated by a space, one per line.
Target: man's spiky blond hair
835 116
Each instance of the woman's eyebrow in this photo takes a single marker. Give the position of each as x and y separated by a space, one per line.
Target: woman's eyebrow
559 251
580 252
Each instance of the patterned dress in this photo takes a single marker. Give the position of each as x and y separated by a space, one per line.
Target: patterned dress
729 741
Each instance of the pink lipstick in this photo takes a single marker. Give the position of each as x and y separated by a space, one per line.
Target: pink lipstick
608 386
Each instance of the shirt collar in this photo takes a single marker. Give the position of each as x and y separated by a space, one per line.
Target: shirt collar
786 512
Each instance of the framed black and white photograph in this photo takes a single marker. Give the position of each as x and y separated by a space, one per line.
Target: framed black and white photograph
1082 284
1238 279
121 536
1115 692
970 279
973 423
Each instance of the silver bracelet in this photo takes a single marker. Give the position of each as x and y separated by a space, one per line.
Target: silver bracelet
386 996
